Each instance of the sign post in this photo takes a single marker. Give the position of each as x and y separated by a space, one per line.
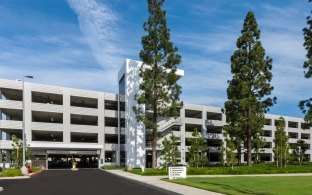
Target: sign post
177 172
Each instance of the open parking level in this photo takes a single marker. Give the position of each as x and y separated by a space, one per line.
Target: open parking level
81 182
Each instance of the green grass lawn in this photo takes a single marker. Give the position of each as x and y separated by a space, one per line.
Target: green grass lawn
252 185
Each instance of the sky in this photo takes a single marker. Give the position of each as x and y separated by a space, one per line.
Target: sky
83 43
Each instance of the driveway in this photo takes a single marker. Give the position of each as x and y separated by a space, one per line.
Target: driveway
81 182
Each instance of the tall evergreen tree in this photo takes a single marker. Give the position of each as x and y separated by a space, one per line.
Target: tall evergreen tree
306 105
170 151
250 85
159 89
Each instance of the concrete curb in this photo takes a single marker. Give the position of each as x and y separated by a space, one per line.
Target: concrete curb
35 173
16 177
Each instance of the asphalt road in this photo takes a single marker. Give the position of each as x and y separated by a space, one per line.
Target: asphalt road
81 182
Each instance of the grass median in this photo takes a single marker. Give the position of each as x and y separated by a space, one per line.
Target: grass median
251 185
12 172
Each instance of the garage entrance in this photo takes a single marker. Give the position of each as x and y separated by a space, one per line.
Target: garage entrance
64 159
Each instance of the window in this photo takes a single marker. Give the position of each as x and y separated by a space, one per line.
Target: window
293 135
51 136
292 124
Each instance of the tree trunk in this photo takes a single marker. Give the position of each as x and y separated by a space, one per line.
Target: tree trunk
249 147
239 154
154 145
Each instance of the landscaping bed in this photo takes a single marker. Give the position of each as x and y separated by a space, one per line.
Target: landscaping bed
237 170
13 172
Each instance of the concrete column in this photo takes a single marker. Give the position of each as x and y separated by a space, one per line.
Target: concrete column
204 127
66 115
8 157
0 149
1 156
101 128
28 115
182 132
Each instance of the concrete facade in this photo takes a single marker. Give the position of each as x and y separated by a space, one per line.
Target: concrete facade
59 118
67 121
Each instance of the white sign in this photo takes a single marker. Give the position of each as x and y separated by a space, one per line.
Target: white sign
177 172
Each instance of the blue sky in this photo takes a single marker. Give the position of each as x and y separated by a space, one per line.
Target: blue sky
82 43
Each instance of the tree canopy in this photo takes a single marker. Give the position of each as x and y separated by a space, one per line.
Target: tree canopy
160 92
249 87
306 105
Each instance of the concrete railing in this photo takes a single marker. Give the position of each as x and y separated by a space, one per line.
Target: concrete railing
46 107
6 144
84 128
10 124
84 111
11 104
166 124
217 123
46 126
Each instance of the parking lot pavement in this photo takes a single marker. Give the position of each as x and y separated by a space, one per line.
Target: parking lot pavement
81 182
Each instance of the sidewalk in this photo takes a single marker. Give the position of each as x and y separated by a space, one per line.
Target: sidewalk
155 181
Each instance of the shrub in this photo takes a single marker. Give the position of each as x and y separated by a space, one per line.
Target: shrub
237 170
34 169
112 167
11 172
150 172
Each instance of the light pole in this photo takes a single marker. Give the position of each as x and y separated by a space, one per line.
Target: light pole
24 169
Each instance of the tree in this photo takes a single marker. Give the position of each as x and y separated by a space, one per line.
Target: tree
231 156
170 151
280 149
250 84
299 150
197 149
233 130
159 89
258 143
306 105
17 151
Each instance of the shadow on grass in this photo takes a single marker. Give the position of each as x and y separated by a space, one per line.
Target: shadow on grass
228 187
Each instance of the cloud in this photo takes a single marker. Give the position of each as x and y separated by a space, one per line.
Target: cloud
207 72
98 23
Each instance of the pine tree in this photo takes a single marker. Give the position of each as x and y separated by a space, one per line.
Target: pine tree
197 149
280 149
299 150
170 151
230 154
159 89
306 105
250 84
